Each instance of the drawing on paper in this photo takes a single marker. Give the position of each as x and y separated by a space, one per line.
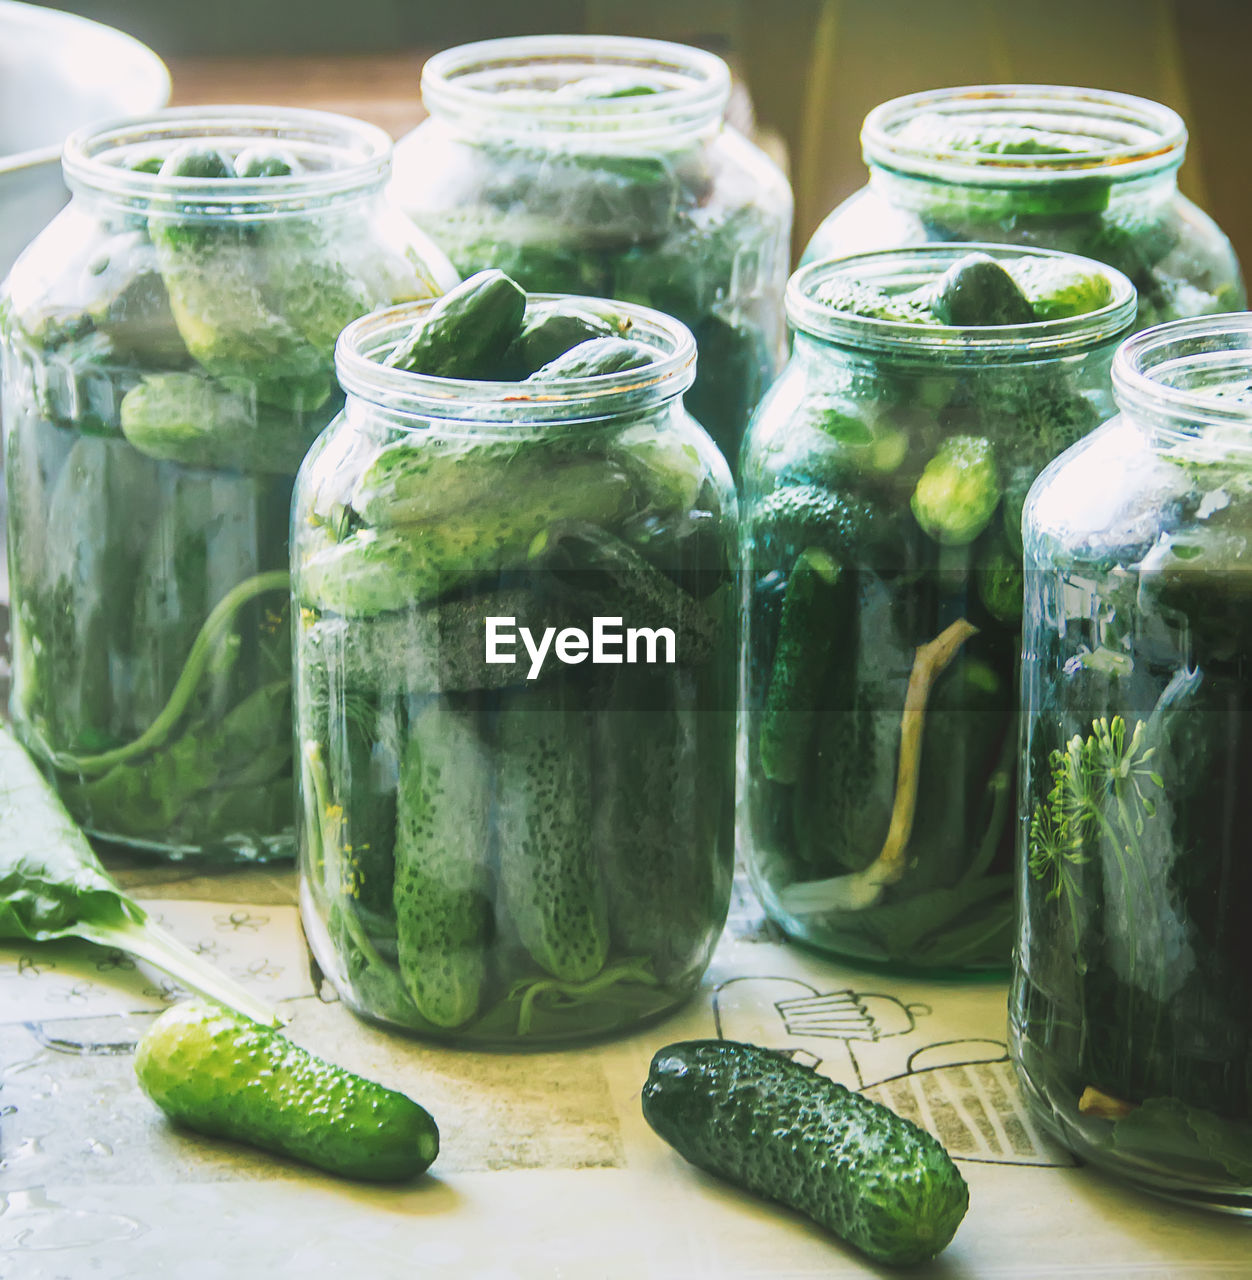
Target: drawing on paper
963 1090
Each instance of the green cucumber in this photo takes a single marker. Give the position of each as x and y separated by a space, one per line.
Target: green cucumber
213 274
806 638
550 881
766 1123
596 359
466 333
379 570
226 1076
662 800
430 479
199 422
976 291
551 329
442 895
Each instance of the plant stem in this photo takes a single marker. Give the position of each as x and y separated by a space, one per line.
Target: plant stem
197 660
150 942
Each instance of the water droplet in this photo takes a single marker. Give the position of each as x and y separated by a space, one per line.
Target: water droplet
30 1220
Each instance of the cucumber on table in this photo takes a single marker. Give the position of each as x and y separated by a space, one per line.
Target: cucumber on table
768 1124
444 918
226 1076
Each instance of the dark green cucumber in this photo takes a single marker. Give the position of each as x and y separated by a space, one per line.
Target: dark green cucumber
806 637
551 329
777 1128
199 422
443 836
227 1076
977 290
661 799
466 333
597 358
379 570
549 877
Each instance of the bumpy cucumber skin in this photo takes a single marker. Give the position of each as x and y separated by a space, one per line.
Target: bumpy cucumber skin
548 333
596 358
774 1127
466 333
198 422
443 838
550 881
376 570
977 290
229 1077
806 637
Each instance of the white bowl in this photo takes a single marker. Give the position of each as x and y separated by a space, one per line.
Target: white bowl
59 72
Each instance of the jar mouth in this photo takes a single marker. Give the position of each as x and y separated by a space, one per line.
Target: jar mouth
1117 134
366 342
910 268
518 88
339 156
1190 375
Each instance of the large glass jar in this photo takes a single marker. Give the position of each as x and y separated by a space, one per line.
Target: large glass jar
883 478
524 850
168 344
1080 170
603 166
1131 1007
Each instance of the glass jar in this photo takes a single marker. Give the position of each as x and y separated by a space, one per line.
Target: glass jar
603 166
168 346
1080 170
883 477
498 848
1131 1006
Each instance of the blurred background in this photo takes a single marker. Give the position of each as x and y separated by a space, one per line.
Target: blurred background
812 68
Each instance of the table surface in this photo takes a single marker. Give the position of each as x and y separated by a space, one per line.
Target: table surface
547 1168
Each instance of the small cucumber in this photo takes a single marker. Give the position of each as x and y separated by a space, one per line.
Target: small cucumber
551 330
466 333
777 1128
443 836
549 879
806 637
596 358
229 1077
977 291
1056 290
199 422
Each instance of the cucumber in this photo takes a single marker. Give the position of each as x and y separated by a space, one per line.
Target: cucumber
466 333
550 881
442 895
806 638
226 1076
596 358
199 422
379 570
1059 289
550 330
662 767
977 290
214 275
429 479
776 1128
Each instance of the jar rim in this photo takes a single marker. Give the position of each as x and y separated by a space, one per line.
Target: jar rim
1204 350
362 374
463 86
358 156
982 343
1139 136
